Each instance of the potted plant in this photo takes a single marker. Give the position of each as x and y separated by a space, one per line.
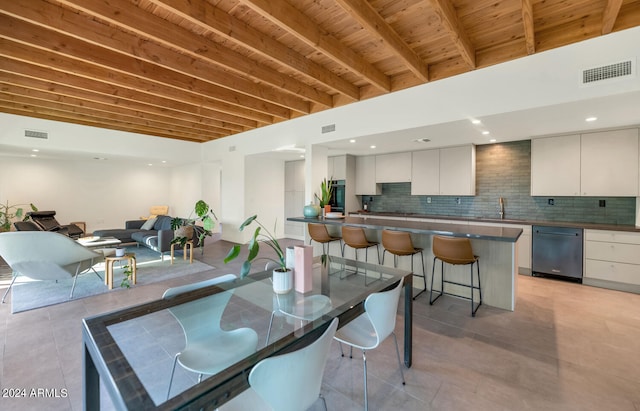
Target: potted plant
326 190
282 275
184 228
9 213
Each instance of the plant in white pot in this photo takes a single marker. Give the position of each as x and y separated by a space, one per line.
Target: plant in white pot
282 276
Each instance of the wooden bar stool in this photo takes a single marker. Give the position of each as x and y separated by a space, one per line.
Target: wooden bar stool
355 238
399 244
455 251
320 234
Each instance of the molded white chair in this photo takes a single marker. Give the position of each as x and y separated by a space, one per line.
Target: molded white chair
45 255
305 309
372 327
208 349
288 382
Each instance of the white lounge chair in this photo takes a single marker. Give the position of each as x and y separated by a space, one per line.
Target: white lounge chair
44 255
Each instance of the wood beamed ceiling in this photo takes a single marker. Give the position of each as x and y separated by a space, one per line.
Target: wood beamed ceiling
198 70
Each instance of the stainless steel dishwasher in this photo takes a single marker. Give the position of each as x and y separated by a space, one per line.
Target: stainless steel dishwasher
557 251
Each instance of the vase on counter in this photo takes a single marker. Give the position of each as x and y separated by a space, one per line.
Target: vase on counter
311 210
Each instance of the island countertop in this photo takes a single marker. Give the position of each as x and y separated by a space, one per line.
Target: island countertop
491 233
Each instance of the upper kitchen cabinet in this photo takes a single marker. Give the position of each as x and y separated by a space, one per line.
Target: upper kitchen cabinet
366 176
591 165
425 172
555 166
609 164
393 168
445 171
458 171
337 167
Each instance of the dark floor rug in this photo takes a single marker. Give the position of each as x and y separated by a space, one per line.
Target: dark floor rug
27 294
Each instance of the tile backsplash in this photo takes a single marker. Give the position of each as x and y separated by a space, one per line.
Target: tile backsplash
504 170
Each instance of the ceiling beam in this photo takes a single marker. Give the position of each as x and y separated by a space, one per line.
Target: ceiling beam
449 19
610 14
82 27
209 17
136 116
156 29
299 25
529 31
31 71
369 18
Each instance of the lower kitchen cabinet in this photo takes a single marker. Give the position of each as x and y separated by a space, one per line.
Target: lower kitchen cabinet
612 259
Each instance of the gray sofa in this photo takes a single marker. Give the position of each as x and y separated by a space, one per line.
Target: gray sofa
157 238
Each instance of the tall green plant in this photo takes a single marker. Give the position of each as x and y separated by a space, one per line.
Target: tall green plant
253 246
10 213
204 214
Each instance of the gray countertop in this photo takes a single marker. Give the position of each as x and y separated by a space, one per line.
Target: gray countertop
492 233
593 226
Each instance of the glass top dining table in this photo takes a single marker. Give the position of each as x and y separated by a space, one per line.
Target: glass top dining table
131 351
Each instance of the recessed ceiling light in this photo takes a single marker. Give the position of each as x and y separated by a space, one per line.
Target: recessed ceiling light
149 164
484 133
475 121
164 161
493 140
590 119
34 155
35 150
422 140
352 140
373 146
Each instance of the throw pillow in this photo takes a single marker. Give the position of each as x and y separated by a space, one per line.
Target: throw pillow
148 225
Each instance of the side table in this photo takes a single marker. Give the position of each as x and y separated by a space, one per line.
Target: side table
188 244
130 258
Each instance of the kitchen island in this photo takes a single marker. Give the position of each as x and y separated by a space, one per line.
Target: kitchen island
496 247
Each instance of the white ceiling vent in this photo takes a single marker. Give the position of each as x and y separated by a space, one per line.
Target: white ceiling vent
36 134
611 71
328 129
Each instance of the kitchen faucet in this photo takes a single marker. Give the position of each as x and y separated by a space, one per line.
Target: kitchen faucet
501 208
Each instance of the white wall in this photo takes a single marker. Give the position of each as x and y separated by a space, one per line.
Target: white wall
264 194
102 195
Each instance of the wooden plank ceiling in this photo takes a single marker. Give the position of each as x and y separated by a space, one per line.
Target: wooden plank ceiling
199 70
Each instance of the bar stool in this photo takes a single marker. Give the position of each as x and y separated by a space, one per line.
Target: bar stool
399 244
455 251
355 238
320 234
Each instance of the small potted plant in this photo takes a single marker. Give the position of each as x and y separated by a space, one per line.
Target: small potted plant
282 275
184 228
326 191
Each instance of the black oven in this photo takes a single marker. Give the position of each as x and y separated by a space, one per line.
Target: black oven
337 196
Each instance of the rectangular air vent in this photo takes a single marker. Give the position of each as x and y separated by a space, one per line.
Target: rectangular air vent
36 134
328 129
610 71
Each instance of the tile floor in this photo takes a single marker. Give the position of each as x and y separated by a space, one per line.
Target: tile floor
566 347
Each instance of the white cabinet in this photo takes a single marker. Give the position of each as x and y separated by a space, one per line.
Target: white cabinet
293 197
425 172
609 164
366 176
445 171
393 168
612 259
591 164
337 167
458 171
555 166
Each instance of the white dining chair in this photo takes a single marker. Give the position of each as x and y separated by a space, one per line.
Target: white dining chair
288 382
208 349
303 309
372 327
